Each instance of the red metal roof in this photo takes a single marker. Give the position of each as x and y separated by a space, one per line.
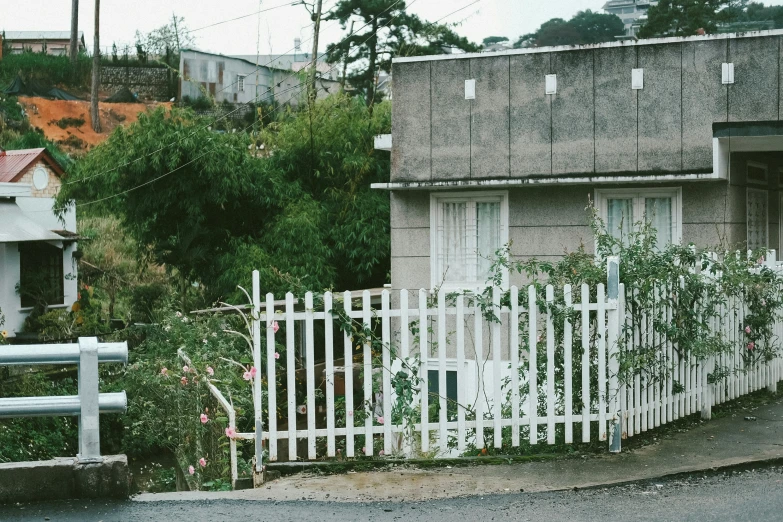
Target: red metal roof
14 163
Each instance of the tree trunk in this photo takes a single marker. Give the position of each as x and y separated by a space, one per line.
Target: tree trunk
373 57
96 71
74 32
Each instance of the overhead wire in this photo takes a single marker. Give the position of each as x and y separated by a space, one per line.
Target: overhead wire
301 85
224 116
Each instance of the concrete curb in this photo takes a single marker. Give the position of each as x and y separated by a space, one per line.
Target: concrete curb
64 478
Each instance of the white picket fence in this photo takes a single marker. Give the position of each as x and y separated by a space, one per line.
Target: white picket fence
516 380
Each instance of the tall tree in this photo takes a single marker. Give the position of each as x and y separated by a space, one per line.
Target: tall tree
74 51
96 71
586 27
683 17
386 30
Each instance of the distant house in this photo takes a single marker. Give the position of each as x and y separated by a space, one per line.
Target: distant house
633 13
36 248
237 79
55 43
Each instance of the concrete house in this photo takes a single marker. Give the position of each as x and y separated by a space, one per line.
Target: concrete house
53 42
238 80
493 147
36 248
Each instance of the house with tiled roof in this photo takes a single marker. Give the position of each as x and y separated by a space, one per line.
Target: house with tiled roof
37 264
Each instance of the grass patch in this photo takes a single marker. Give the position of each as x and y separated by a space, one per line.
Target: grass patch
64 123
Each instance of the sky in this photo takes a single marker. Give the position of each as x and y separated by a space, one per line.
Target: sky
273 31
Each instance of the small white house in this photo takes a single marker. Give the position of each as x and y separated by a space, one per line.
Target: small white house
35 245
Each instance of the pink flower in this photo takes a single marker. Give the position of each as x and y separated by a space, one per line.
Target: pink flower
191 470
231 432
184 380
210 371
381 453
380 420
364 449
186 368
751 346
250 374
275 326
301 409
338 451
164 371
204 418
202 462
763 302
350 413
277 355
747 329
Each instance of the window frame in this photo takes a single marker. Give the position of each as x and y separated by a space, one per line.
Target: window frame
757 165
241 82
36 250
748 191
436 200
638 195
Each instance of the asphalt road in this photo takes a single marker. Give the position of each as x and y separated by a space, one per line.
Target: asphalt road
755 495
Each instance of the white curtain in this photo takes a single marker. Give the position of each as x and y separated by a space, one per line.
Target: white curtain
453 247
619 219
487 237
658 212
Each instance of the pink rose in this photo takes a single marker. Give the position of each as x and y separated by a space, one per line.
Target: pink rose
275 326
277 355
202 462
381 453
301 409
164 371
751 346
191 470
204 418
747 329
250 374
210 371
231 432
380 420
184 380
246 376
253 371
185 369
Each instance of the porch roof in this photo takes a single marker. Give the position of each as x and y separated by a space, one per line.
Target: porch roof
16 227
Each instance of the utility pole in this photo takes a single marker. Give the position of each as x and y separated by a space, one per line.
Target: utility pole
74 31
316 29
96 71
345 60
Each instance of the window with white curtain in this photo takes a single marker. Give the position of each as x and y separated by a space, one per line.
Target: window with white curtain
468 229
622 210
757 218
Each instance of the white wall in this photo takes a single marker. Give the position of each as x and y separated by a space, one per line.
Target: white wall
38 210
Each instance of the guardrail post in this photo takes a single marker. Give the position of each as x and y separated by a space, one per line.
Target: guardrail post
612 338
89 426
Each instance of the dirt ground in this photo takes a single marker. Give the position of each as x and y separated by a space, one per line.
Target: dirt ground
74 137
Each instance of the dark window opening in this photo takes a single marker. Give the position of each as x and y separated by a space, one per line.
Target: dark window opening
40 275
451 393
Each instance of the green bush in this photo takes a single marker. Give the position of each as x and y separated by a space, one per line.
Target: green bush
46 69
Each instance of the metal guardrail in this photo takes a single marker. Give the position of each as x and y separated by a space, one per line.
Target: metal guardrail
87 405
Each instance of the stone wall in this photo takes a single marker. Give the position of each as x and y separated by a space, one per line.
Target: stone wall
148 82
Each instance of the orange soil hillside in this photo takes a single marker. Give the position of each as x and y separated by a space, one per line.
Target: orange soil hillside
70 133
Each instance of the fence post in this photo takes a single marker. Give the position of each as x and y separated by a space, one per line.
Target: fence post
772 383
613 335
89 432
258 476
707 367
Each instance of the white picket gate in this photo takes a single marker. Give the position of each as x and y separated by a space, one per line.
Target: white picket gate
516 380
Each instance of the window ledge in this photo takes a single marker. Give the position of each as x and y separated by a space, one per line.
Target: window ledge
28 309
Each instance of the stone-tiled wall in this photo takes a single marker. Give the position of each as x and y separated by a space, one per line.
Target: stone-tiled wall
595 124
51 190
152 82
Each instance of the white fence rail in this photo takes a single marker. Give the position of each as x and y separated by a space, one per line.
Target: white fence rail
425 374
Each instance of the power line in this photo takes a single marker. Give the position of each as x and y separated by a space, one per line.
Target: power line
81 180
302 86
